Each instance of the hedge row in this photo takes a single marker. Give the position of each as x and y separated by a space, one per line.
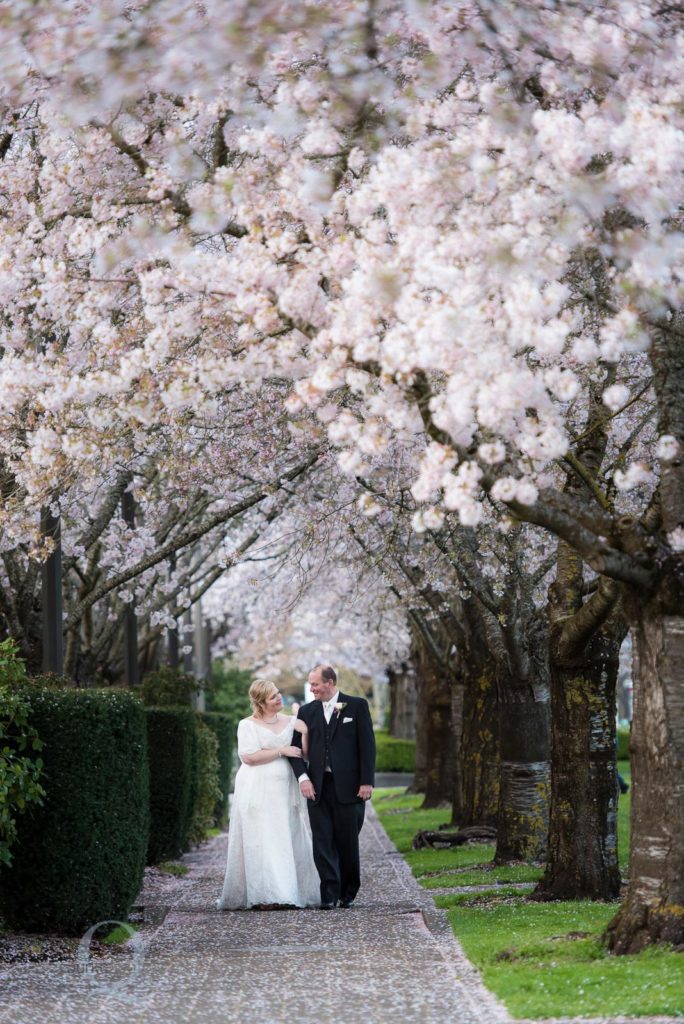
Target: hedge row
394 755
223 727
125 785
79 858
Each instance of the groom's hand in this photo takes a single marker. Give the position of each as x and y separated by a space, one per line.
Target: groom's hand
365 792
307 789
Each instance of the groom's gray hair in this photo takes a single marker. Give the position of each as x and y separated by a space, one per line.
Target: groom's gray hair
328 673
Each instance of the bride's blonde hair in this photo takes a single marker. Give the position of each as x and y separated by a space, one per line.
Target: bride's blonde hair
259 692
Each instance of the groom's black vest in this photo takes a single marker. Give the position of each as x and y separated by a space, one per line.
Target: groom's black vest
326 759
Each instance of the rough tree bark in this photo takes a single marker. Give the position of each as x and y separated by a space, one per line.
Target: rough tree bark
480 741
525 769
586 634
582 856
434 732
402 702
653 908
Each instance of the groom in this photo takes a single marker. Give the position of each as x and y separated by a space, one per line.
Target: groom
340 778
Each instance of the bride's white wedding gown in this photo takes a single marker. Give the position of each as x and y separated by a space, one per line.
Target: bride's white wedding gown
270 857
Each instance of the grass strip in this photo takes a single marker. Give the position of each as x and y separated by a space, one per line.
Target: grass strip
546 960
491 897
541 959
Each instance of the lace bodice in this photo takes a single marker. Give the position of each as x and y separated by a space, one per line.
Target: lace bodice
253 737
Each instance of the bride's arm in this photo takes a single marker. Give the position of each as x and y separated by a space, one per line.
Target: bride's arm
302 728
251 752
267 755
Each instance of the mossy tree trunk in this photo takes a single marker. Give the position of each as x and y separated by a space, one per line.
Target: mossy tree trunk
438 736
479 743
653 908
582 856
525 768
402 702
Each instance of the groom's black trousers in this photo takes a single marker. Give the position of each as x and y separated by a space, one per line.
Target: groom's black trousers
335 830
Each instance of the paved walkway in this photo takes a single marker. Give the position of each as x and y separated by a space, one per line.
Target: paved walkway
391 958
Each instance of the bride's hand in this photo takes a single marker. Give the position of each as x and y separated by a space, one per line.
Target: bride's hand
291 752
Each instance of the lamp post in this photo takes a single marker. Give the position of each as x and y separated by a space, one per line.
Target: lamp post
131 669
51 592
202 652
172 641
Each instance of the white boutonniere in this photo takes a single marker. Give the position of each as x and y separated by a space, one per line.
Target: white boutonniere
340 707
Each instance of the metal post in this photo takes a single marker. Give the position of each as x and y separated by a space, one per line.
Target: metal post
201 636
131 668
51 592
188 641
173 647
172 644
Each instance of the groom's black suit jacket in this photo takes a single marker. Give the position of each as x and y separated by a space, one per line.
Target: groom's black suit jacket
351 744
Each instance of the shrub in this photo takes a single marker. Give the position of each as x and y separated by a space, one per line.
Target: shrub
623 743
208 793
224 729
169 687
19 770
229 694
172 744
79 858
394 755
12 667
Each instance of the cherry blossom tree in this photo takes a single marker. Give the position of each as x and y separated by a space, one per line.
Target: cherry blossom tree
466 215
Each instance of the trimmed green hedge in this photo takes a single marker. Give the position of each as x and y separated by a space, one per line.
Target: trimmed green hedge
623 743
172 745
394 755
224 728
208 790
80 857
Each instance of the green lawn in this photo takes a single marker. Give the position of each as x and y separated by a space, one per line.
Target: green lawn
540 959
528 960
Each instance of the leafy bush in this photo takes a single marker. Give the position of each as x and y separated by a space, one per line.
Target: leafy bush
208 790
230 694
623 743
79 857
170 687
394 755
224 729
19 770
172 746
12 667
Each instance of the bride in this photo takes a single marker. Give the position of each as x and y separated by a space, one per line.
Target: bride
270 860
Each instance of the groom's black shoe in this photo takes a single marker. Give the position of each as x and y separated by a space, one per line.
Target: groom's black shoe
328 906
345 904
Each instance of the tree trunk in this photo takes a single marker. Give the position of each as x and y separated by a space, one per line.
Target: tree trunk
479 746
438 737
525 769
457 709
653 909
419 784
584 657
582 860
402 699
